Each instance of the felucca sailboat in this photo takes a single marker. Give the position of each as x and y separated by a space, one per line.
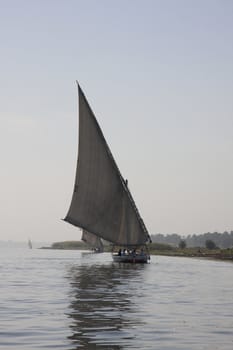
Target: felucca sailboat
102 203
93 241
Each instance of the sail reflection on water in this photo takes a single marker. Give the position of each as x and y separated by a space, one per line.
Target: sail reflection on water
101 309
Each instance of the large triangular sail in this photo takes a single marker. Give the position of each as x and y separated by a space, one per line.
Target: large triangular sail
92 241
101 201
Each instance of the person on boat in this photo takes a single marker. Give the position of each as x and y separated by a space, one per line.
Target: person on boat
119 252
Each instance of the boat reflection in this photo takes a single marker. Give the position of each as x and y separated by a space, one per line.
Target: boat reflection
102 308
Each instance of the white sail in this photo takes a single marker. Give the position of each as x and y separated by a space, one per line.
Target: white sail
101 202
92 241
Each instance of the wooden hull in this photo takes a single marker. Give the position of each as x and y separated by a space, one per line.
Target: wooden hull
134 259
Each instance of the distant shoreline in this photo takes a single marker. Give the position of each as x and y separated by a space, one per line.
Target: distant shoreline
157 249
209 255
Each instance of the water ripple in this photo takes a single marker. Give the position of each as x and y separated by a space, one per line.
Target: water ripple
69 300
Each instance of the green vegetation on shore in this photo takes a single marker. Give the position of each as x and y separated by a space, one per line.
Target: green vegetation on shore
157 249
165 249
221 240
69 245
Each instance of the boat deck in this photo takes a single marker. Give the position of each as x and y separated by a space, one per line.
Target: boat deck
131 258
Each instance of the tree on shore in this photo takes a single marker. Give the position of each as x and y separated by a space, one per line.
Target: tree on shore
210 244
182 244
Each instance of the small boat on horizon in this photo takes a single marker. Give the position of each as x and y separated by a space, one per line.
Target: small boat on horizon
102 204
29 244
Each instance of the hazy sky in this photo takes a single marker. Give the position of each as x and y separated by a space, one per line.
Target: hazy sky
159 77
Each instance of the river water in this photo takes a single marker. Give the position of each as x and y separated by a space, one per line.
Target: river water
75 300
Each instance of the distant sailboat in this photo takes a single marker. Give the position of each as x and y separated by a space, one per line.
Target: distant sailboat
102 203
29 244
93 241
